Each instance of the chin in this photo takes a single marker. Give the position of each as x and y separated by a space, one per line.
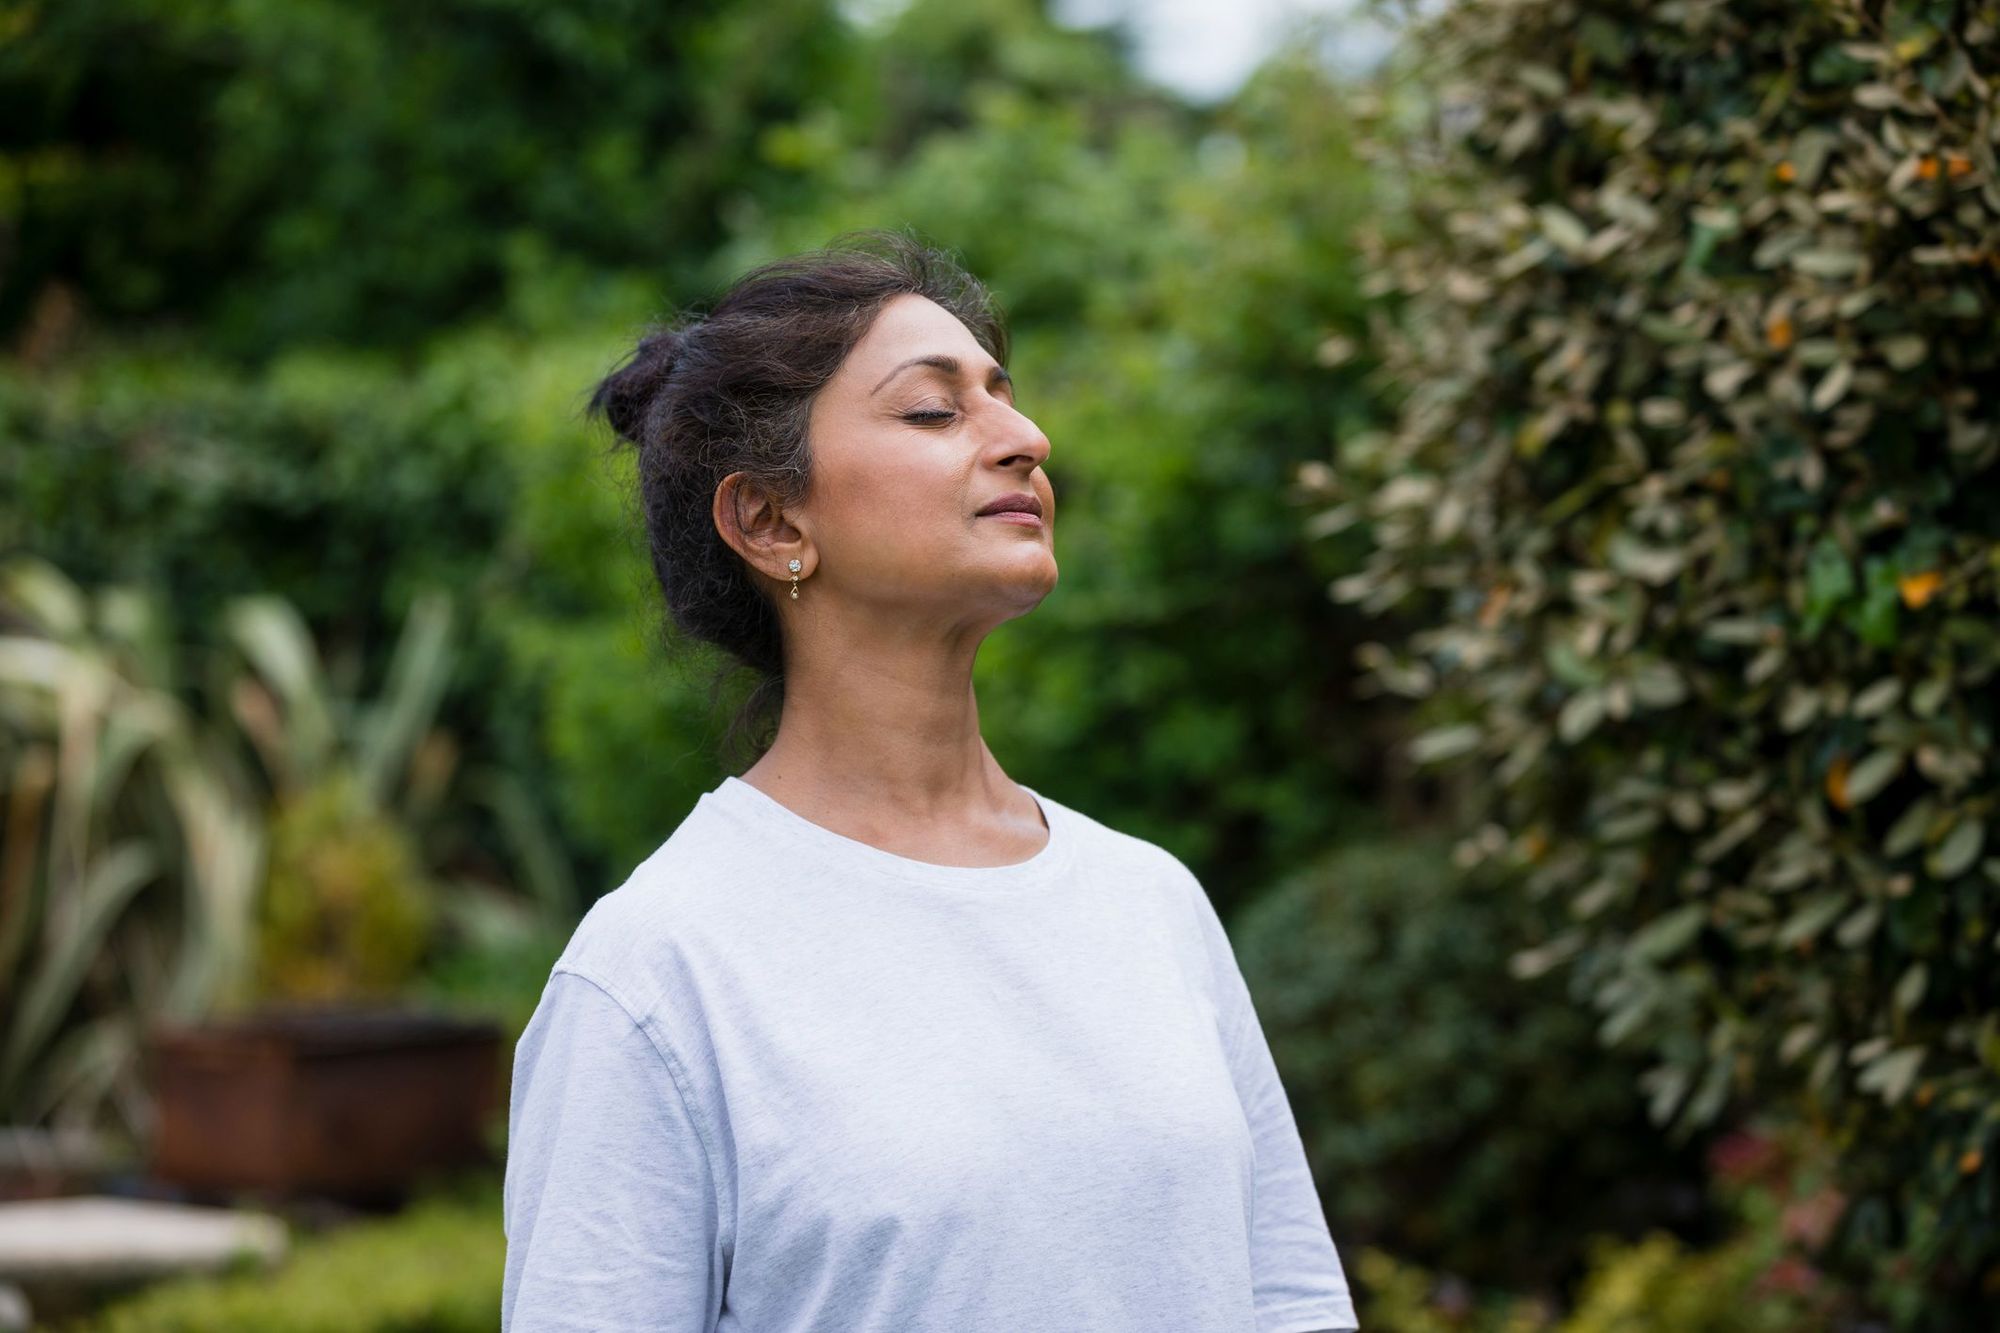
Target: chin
1039 582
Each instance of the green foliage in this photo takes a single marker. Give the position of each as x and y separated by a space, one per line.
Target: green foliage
1653 1285
366 172
1689 495
1438 1096
351 486
154 466
1171 284
148 874
436 1267
346 910
133 848
1759 1279
347 907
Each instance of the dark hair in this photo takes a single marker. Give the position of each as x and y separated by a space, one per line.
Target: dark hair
731 390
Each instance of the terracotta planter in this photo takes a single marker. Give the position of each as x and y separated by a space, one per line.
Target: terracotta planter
347 1102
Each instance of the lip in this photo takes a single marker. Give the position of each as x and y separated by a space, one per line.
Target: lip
1016 516
1017 504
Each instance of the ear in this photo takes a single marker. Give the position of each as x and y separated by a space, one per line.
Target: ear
756 527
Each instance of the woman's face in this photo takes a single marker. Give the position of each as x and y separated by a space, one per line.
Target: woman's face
911 438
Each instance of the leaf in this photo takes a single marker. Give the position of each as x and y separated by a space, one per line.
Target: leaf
419 671
1872 774
1658 685
1811 919
274 639
1533 962
1829 581
1910 988
1667 935
1724 381
1959 849
1649 564
1445 743
1911 827
1580 715
1877 698
1563 227
1708 1099
1859 925
1662 413
1827 262
1665 1086
73 940
1904 351
1797 1041
1834 387
1800 707
1893 1073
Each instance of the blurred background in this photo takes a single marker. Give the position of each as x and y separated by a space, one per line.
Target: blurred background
1531 540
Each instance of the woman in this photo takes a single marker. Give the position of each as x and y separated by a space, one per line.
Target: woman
878 1038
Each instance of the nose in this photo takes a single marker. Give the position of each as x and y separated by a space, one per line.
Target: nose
1019 438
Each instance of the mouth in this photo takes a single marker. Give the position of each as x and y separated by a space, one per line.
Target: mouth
1020 506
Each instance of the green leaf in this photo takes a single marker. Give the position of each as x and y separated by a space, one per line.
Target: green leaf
1665 1086
1874 619
1872 774
1580 715
1910 988
1829 581
1811 919
1444 743
1911 828
1834 387
1877 698
1959 849
1893 1073
1649 564
1859 925
1658 685
74 940
1904 351
1669 933
1797 1041
418 673
1562 226
1827 262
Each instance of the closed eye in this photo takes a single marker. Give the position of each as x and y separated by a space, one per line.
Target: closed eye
932 416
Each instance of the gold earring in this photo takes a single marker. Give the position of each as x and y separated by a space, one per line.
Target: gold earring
795 580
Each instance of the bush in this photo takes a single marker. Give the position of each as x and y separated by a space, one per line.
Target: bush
1690 492
1772 1182
1440 1099
1652 1285
189 159
435 1267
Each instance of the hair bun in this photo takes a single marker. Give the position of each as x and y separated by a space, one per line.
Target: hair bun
624 397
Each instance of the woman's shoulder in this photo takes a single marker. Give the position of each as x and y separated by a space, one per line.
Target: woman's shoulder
1113 850
634 937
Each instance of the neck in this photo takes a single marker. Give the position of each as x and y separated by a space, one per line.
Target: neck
888 721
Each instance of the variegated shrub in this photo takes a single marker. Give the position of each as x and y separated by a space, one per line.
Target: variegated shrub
1689 505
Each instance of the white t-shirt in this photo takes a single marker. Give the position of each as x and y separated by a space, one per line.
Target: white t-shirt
782 1080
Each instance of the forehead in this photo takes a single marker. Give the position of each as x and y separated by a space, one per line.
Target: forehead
910 325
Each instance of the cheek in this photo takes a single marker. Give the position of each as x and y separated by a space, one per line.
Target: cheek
877 515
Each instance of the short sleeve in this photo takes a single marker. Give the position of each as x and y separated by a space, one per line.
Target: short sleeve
610 1202
1300 1286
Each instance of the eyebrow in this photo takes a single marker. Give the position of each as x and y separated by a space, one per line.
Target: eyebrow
948 364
